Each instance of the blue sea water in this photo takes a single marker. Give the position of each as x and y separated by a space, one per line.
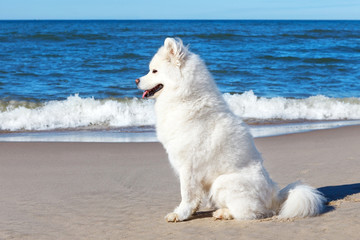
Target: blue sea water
80 74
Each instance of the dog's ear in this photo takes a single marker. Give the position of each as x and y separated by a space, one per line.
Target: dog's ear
176 51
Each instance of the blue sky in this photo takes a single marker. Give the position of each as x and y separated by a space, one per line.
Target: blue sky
180 9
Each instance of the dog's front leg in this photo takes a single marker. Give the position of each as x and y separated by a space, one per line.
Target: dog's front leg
190 198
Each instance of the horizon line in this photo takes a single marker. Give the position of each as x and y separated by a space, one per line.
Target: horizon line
174 19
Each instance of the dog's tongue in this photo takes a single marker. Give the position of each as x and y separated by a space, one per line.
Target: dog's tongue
144 94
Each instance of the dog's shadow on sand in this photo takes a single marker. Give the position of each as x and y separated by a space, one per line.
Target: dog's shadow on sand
335 193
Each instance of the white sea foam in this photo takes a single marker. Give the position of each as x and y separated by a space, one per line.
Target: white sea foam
248 105
76 112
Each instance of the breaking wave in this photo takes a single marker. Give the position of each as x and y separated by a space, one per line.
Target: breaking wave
248 105
76 112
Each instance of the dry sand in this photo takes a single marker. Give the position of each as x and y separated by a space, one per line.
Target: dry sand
123 190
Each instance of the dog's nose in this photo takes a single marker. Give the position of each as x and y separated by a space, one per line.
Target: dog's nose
137 81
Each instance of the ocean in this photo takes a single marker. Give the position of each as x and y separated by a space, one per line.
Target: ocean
65 79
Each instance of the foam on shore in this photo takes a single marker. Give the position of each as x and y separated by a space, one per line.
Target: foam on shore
148 134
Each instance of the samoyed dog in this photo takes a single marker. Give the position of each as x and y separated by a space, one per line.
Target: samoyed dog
211 149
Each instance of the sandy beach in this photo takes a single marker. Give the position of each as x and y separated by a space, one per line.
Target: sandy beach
124 190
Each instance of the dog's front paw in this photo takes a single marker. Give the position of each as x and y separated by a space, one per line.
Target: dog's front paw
172 217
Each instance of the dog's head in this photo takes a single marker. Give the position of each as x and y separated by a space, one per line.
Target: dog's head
164 69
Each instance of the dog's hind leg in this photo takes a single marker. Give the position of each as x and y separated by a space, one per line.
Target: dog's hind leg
222 214
240 198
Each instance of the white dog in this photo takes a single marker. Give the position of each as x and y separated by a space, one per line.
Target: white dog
210 148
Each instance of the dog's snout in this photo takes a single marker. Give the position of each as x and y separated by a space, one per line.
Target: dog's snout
137 81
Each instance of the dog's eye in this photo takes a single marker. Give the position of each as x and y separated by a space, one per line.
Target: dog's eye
154 71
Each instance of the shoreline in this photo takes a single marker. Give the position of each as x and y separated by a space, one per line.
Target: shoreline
147 133
123 190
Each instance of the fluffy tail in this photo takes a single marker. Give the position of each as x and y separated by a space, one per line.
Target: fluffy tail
299 200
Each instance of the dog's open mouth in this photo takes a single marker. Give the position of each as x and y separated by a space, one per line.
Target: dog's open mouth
151 92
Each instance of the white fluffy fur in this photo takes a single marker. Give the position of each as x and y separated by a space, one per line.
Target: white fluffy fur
211 149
